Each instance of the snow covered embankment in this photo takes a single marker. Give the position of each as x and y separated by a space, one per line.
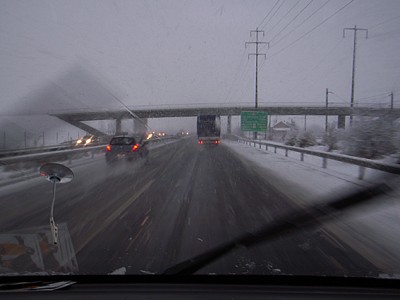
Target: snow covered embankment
368 229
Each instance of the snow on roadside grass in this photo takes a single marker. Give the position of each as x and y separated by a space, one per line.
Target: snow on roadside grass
307 174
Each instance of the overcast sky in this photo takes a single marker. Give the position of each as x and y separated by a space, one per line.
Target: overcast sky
188 52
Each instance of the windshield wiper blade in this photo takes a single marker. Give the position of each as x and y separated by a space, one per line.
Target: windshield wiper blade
295 221
35 286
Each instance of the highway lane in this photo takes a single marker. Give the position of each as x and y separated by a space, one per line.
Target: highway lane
187 199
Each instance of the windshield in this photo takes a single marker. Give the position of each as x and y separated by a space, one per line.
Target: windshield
248 114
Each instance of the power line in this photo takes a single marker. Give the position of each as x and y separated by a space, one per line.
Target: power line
337 64
236 74
245 83
245 70
341 98
375 96
305 20
384 22
291 21
245 88
324 58
315 27
276 3
288 12
240 79
262 65
265 25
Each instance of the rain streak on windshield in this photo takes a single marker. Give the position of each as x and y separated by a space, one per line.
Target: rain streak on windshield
253 122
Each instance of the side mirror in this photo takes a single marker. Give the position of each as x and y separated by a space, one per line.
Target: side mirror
55 173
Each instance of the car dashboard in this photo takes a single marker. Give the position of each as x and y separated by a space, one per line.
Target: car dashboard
208 287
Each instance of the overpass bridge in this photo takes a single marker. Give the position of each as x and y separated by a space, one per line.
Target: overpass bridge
144 113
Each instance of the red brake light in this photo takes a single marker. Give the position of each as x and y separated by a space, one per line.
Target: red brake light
135 147
200 142
108 148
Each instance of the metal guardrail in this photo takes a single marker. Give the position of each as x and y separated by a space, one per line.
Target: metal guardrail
66 154
363 163
60 154
16 152
26 166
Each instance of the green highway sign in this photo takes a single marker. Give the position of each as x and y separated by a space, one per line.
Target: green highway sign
253 121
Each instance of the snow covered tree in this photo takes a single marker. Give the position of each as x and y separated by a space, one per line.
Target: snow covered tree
330 137
306 139
291 136
371 137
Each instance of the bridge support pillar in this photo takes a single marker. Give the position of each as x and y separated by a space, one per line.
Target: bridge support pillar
139 126
118 126
229 125
341 121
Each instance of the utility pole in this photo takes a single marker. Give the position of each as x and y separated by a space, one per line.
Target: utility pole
355 29
257 43
326 106
391 100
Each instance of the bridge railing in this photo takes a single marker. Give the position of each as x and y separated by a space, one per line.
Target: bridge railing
363 163
261 104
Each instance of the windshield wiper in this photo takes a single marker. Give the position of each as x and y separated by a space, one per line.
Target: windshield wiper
35 286
294 221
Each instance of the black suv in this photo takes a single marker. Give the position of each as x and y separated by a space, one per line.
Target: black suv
126 147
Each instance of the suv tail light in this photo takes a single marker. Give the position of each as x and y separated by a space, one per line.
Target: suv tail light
135 147
200 142
108 148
